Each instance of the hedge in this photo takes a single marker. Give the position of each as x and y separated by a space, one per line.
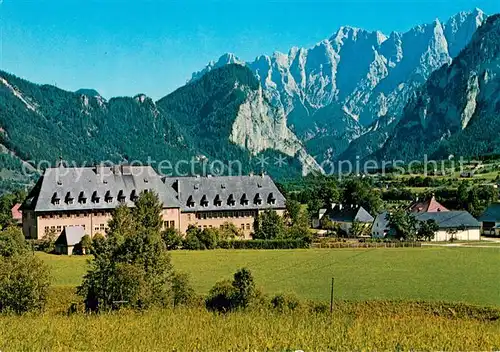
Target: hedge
263 244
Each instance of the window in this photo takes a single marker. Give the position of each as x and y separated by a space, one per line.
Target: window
221 227
165 224
189 217
56 202
96 228
248 226
172 224
59 228
242 226
102 227
46 229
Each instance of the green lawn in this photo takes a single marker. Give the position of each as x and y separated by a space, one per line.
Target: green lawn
435 273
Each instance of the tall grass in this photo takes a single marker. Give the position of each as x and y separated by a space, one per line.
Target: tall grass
191 329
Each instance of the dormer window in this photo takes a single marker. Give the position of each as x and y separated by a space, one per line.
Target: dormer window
108 198
204 201
244 199
95 197
257 199
230 200
223 186
82 199
271 199
133 195
217 201
121 196
146 180
259 185
69 198
190 202
55 199
196 186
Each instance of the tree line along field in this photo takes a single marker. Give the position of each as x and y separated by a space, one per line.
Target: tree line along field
468 275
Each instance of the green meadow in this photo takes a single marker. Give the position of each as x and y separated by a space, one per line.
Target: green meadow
469 275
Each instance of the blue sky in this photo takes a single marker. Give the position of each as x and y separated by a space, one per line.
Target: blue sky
122 47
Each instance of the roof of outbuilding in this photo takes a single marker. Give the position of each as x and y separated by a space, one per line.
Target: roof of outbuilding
71 235
348 213
491 214
65 183
450 219
250 187
381 222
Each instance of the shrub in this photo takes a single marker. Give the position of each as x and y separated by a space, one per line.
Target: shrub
98 243
285 302
49 241
86 244
24 283
12 242
192 241
264 244
183 293
229 295
221 297
172 238
245 287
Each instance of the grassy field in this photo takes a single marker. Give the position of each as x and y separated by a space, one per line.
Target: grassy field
362 327
433 274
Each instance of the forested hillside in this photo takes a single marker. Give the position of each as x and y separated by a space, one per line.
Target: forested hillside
42 122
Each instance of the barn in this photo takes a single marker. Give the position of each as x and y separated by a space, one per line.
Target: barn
459 225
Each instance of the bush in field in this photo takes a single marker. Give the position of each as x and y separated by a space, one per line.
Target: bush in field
284 302
183 293
172 238
229 295
12 242
221 297
244 284
132 266
24 283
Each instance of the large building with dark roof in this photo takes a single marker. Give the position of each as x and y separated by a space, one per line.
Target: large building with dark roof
86 197
214 201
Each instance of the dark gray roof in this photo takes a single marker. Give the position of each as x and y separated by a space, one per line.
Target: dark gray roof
381 223
491 214
348 213
450 219
66 183
71 235
223 189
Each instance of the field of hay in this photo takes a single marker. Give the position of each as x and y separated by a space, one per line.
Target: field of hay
358 326
379 305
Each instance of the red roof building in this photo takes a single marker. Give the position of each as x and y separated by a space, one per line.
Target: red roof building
428 206
17 215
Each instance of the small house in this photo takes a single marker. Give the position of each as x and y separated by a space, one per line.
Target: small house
346 215
69 238
380 228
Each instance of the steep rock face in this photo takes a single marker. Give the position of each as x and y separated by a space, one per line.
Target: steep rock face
358 74
259 127
456 111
